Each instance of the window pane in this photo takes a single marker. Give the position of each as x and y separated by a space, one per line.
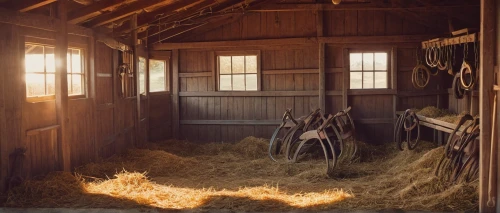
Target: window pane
34 58
238 64
225 64
51 84
251 82
68 63
157 75
367 61
380 61
35 85
381 80
50 59
76 61
142 76
225 82
251 64
76 84
355 82
355 60
367 80
238 82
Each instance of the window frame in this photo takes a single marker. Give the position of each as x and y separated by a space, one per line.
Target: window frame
161 56
51 43
389 70
237 53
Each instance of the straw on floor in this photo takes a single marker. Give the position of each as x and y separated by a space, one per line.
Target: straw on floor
183 175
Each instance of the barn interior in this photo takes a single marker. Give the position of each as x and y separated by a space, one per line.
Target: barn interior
249 105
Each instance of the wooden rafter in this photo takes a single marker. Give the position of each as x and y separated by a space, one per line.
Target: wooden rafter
209 21
90 11
226 21
24 6
175 11
128 10
202 19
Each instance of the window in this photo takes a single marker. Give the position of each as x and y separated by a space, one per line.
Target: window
40 68
76 76
368 70
157 75
142 75
238 72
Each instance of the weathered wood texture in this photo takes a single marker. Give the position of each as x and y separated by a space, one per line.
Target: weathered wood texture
303 24
34 125
373 110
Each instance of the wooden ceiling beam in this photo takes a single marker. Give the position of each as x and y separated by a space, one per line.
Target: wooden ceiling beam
291 7
175 11
220 8
80 15
295 41
229 20
25 6
128 10
213 21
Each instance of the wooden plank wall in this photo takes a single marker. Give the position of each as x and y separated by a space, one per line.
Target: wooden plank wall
373 111
97 127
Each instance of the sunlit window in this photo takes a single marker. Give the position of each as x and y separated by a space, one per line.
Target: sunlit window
238 72
142 75
76 76
368 70
40 68
157 75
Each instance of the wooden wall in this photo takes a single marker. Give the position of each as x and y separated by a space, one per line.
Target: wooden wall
99 124
290 76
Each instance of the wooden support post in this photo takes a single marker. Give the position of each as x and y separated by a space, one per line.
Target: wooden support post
322 81
394 80
345 77
486 73
135 46
61 50
4 153
175 94
92 90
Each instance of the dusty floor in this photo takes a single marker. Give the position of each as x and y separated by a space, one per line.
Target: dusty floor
177 175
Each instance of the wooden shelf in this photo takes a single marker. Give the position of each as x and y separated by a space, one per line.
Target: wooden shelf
442 42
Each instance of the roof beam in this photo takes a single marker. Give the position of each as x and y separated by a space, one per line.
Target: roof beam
295 41
128 10
176 11
288 7
80 15
212 22
25 6
222 7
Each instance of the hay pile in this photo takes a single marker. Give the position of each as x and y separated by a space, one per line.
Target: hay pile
441 114
240 177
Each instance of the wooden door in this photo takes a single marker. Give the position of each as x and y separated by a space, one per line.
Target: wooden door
160 102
